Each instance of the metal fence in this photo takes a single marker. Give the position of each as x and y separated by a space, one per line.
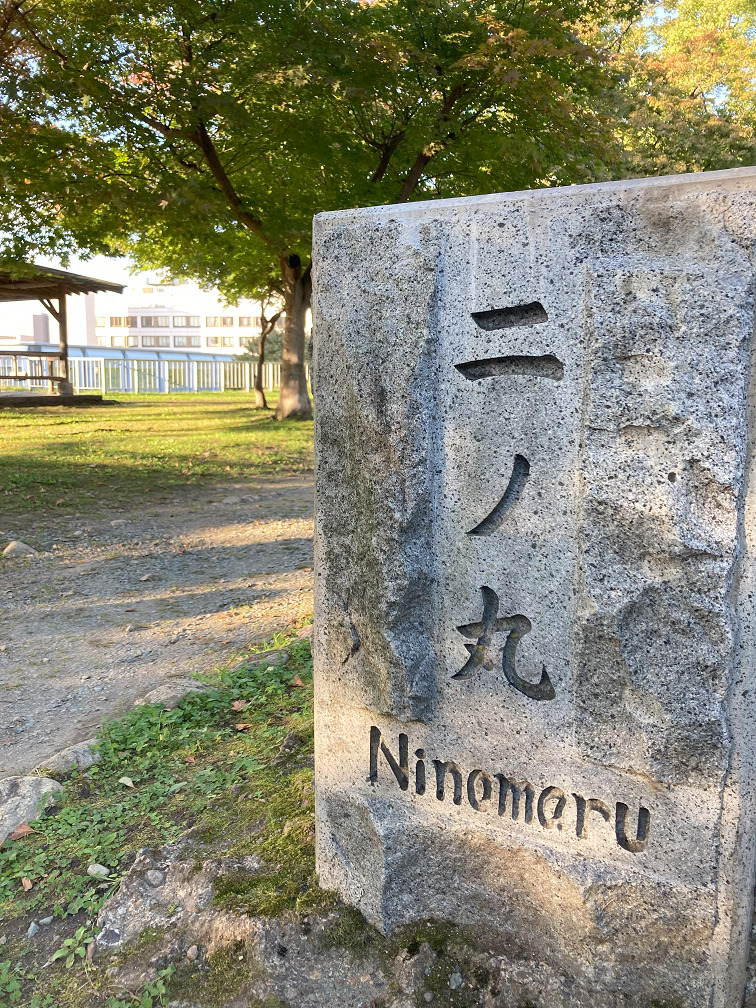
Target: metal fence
101 374
28 370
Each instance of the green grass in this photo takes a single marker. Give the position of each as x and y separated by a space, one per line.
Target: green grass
63 459
191 768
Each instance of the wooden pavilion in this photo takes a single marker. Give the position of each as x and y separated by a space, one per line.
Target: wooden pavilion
50 287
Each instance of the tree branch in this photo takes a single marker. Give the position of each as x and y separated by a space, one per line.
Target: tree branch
205 144
387 152
421 161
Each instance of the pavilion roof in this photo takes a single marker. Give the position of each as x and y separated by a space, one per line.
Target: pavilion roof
43 282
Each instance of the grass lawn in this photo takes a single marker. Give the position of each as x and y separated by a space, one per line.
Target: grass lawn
141 449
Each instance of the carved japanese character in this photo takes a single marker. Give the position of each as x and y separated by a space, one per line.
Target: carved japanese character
483 651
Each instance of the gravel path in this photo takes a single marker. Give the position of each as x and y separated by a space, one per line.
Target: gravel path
113 607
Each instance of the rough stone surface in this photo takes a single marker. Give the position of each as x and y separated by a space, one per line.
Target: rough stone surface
80 756
281 960
22 799
170 695
16 548
535 579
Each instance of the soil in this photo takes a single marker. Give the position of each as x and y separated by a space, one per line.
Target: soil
122 602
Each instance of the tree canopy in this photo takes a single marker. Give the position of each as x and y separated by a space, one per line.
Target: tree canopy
199 137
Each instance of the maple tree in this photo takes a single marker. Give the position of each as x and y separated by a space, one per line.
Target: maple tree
199 137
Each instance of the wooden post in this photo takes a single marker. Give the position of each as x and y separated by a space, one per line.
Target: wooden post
64 387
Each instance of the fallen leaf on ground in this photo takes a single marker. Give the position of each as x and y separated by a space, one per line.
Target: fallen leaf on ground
243 727
296 681
238 705
21 831
26 883
189 759
127 781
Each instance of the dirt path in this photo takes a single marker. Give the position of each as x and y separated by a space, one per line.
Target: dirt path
113 607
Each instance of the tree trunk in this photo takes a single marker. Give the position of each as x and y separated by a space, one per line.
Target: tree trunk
294 403
260 400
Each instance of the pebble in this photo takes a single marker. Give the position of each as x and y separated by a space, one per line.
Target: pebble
428 996
33 928
156 878
98 871
455 981
47 920
192 953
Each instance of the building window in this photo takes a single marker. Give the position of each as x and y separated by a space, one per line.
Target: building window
249 343
227 320
212 341
164 340
130 321
100 321
258 321
155 321
227 340
118 341
115 321
181 341
179 321
103 341
212 321
195 341
187 321
148 340
132 341
194 322
147 290
245 321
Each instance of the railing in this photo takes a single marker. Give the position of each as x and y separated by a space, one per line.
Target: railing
30 371
102 374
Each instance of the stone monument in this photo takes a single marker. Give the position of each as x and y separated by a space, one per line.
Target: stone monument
535 668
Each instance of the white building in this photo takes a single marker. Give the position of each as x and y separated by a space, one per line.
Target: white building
150 314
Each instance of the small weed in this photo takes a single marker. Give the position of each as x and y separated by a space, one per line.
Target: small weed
74 946
10 987
151 995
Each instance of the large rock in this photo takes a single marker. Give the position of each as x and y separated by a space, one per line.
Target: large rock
22 799
164 912
16 548
170 694
535 667
80 756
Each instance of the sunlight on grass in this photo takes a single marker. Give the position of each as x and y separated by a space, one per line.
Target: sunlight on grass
61 458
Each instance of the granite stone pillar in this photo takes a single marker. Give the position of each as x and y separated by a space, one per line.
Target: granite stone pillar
535 579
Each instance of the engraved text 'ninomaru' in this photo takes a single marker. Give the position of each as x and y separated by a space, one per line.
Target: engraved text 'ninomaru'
505 795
